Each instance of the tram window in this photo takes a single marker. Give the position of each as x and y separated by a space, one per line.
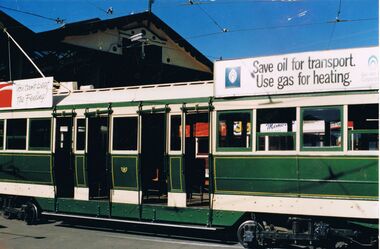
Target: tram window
16 134
322 127
276 129
363 127
39 134
175 133
1 134
125 133
81 134
234 129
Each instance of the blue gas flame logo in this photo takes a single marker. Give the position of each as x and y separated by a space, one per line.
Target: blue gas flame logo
373 61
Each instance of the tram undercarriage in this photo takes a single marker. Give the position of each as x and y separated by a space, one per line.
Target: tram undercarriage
305 232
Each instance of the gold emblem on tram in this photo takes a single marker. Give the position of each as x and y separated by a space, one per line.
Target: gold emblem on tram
124 169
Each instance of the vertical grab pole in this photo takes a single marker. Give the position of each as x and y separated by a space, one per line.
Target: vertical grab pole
210 162
139 140
166 152
53 157
108 160
183 146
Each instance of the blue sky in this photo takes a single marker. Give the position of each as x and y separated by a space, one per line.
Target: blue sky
255 27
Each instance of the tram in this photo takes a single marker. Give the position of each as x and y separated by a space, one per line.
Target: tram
286 168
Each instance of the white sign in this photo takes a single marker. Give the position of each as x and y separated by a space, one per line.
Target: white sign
27 94
321 71
274 127
313 126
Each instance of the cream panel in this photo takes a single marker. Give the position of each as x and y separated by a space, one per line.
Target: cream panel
29 114
298 206
81 194
24 189
126 196
176 199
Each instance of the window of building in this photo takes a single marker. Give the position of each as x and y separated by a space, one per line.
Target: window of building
276 129
363 127
322 128
81 134
234 129
125 133
16 134
175 133
39 134
1 134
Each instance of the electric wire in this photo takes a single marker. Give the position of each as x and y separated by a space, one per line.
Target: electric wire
109 11
208 15
337 20
278 27
56 20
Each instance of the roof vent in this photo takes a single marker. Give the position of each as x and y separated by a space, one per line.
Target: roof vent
67 86
86 87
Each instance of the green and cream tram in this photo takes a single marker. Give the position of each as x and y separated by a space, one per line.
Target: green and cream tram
299 166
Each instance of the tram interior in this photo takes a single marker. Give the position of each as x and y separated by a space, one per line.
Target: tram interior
196 159
99 184
64 173
153 175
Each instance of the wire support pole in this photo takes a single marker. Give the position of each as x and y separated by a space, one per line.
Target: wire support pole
9 60
26 55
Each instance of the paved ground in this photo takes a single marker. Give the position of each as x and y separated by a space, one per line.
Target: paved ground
16 234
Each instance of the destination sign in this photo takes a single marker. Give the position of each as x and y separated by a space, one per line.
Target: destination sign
27 94
319 71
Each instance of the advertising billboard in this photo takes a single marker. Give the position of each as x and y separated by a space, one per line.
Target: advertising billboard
27 94
319 71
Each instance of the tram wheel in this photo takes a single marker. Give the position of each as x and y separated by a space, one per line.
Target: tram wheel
247 234
31 213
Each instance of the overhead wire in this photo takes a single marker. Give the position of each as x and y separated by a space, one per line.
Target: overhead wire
278 27
109 11
208 15
57 20
337 19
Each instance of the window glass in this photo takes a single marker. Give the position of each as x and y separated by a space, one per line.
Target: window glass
125 133
363 123
234 129
175 132
276 129
1 134
322 127
81 134
16 134
39 134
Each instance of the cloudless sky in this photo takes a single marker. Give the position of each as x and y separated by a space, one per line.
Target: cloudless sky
255 27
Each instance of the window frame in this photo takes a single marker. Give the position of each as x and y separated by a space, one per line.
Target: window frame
326 148
233 149
175 152
276 134
26 136
76 151
29 148
363 131
123 152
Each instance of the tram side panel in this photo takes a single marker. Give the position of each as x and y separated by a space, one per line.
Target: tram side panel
298 185
26 174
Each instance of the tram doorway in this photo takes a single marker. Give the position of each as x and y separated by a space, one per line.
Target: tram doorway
196 159
97 152
153 169
63 158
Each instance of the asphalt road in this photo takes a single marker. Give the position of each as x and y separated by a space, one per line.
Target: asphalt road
15 234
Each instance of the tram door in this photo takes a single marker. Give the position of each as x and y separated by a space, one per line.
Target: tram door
196 159
153 168
97 152
63 160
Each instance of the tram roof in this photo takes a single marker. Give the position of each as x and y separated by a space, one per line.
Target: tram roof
171 91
